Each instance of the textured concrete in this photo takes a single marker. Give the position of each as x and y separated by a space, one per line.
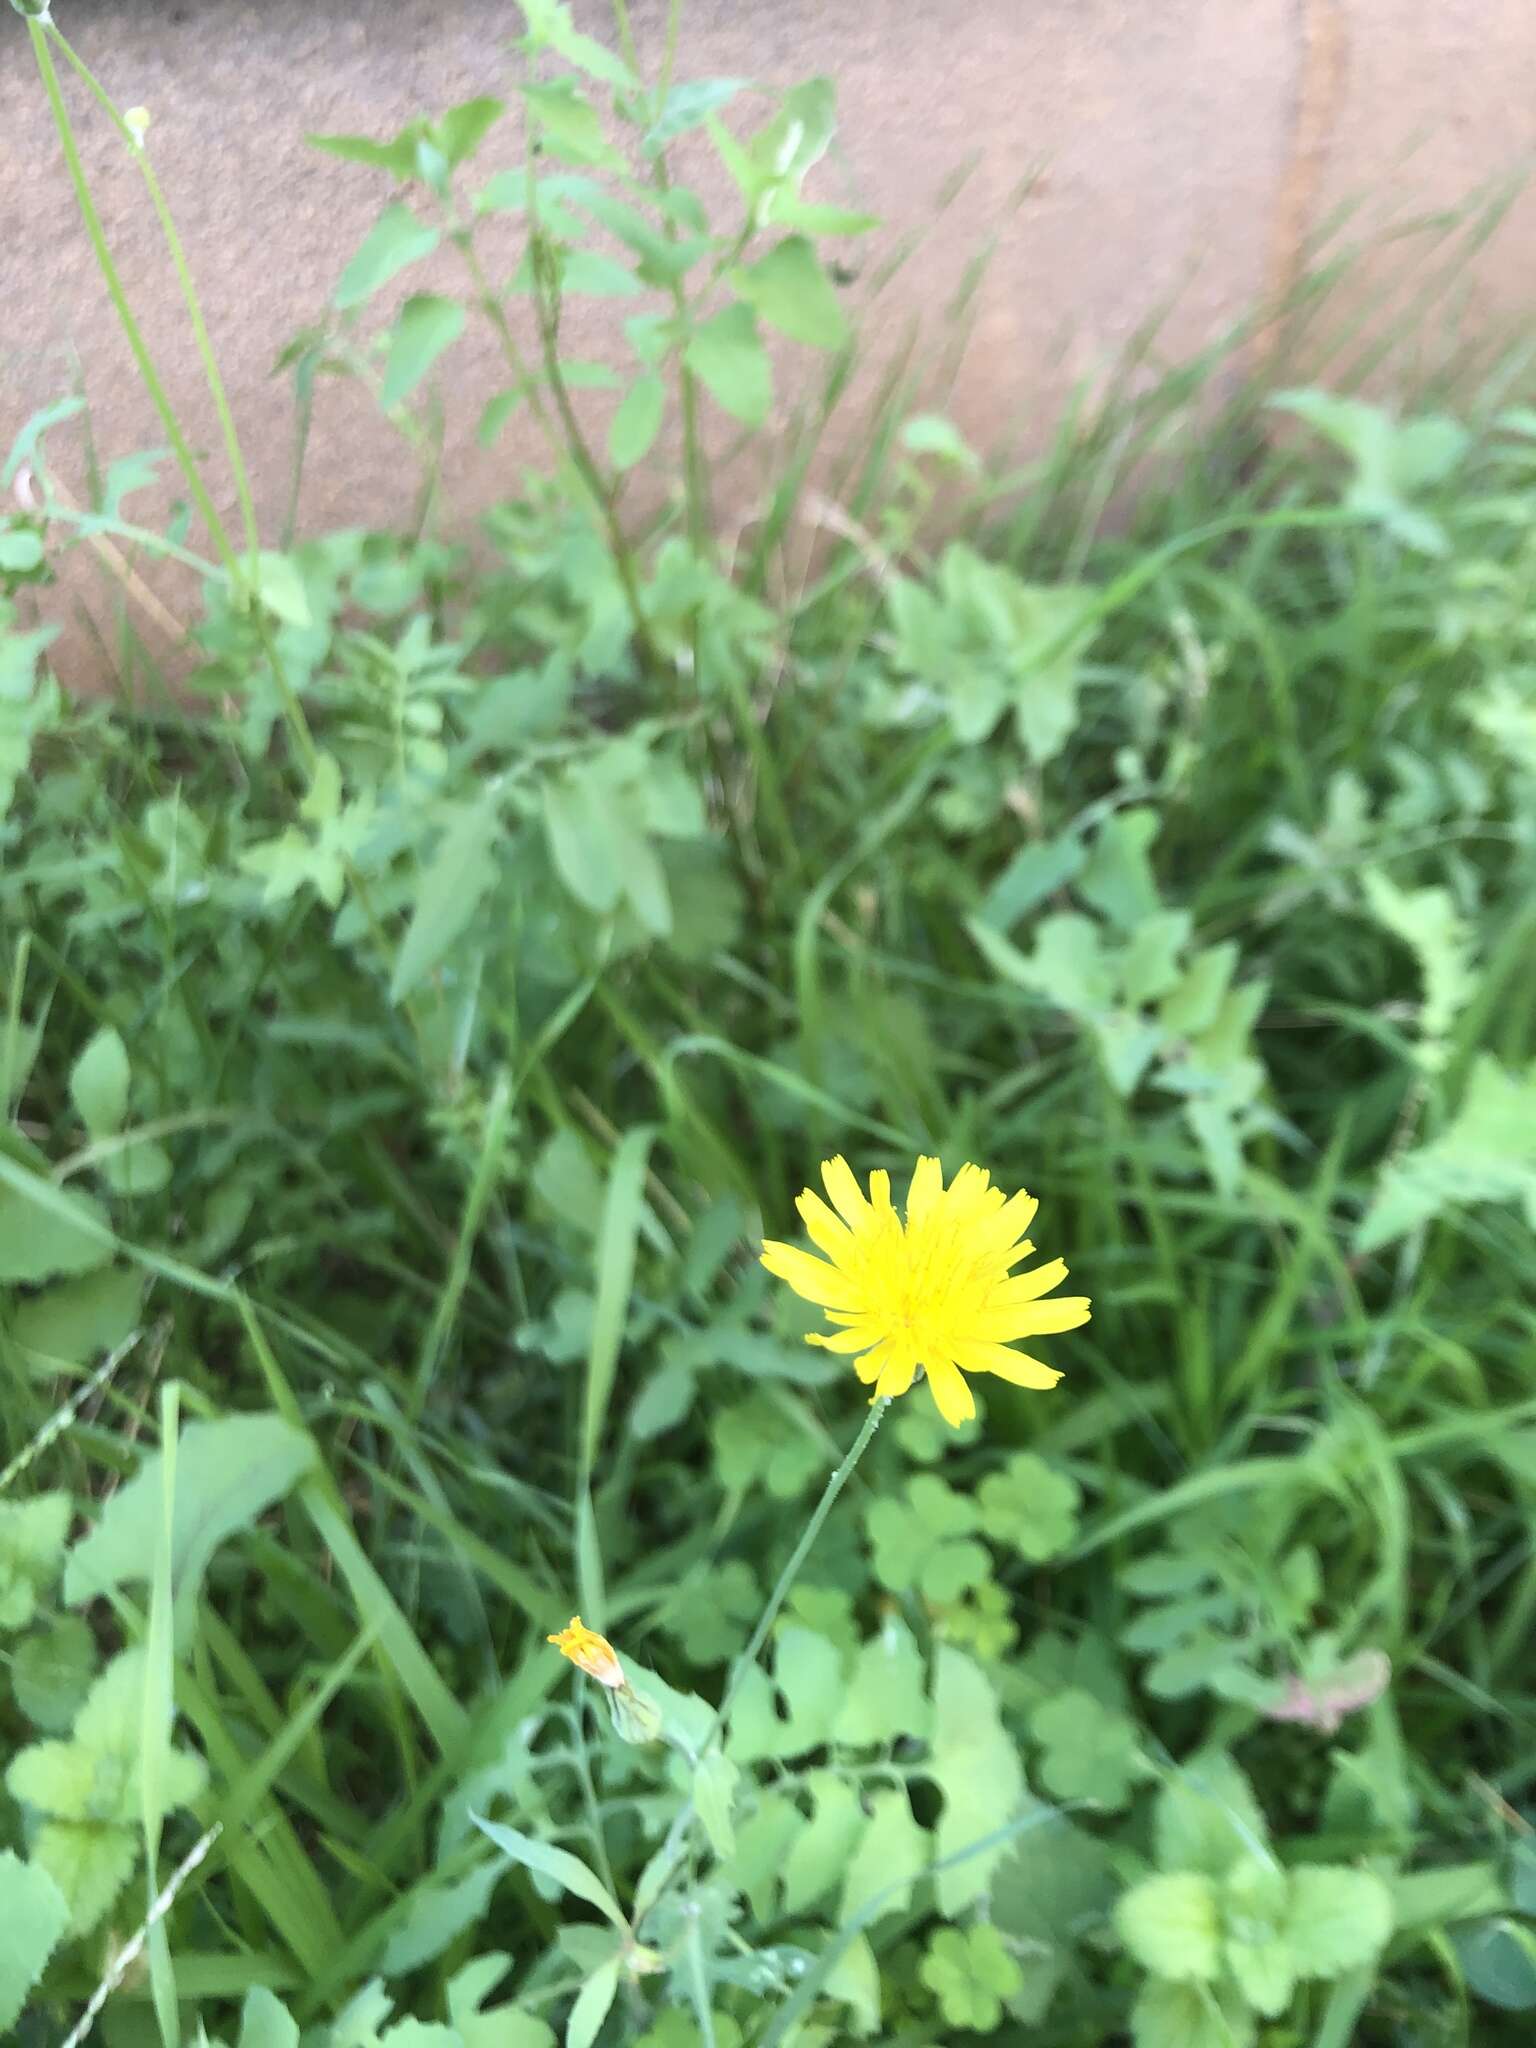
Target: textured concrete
1186 149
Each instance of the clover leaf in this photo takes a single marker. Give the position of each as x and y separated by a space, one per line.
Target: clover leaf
924 1541
1090 1751
717 1615
758 1444
970 1973
1030 1507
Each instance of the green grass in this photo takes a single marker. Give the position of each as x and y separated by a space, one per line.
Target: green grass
406 1048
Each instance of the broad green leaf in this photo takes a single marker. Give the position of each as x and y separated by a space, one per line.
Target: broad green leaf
437 1914
592 2004
265 2022
1090 1752
854 1981
1055 1882
976 1766
970 1972
567 124
715 1779
1171 1926
1337 1919
427 325
51 1672
49 1231
688 106
1207 1817
98 1083
280 588
1189 2016
140 1167
587 850
819 1849
482 2025
90 1864
395 241
397 157
729 360
589 273
32 1537
558 1865
1499 1958
227 1474
1487 1153
637 421
789 289
464 127
808 1677
886 1699
34 1914
891 1856
21 550
461 872
550 27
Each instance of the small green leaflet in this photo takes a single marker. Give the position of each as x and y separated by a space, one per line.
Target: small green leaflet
791 291
426 327
396 240
460 873
727 356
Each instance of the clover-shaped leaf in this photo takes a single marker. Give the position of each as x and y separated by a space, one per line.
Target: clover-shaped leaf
758 1444
924 1542
1030 1507
970 1972
926 1437
1090 1751
32 1534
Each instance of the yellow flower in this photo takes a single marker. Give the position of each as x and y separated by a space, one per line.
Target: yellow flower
592 1652
936 1291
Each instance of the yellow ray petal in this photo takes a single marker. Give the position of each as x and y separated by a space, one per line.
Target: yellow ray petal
923 1190
812 1279
1063 1312
1017 1367
858 1338
951 1396
824 1229
898 1372
847 1196
1021 1287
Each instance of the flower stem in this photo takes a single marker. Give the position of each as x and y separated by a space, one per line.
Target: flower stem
786 1579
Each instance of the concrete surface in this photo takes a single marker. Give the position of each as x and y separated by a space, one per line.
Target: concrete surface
1187 150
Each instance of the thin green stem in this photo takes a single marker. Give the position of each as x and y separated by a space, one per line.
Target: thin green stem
130 326
802 1550
188 290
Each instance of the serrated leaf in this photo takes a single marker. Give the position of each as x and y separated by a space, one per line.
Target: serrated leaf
1337 1919
1487 1153
789 289
395 241
265 2021
32 1536
459 875
427 325
727 356
1170 1924
34 1914
98 1083
227 1473
51 1673
1091 1753
90 1864
438 1913
464 127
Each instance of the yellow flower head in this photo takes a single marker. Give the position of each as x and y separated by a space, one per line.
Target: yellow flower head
937 1290
594 1653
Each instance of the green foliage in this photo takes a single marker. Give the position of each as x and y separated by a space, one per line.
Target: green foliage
409 1029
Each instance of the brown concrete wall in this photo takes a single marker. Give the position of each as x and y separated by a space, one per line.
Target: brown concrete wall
1187 148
